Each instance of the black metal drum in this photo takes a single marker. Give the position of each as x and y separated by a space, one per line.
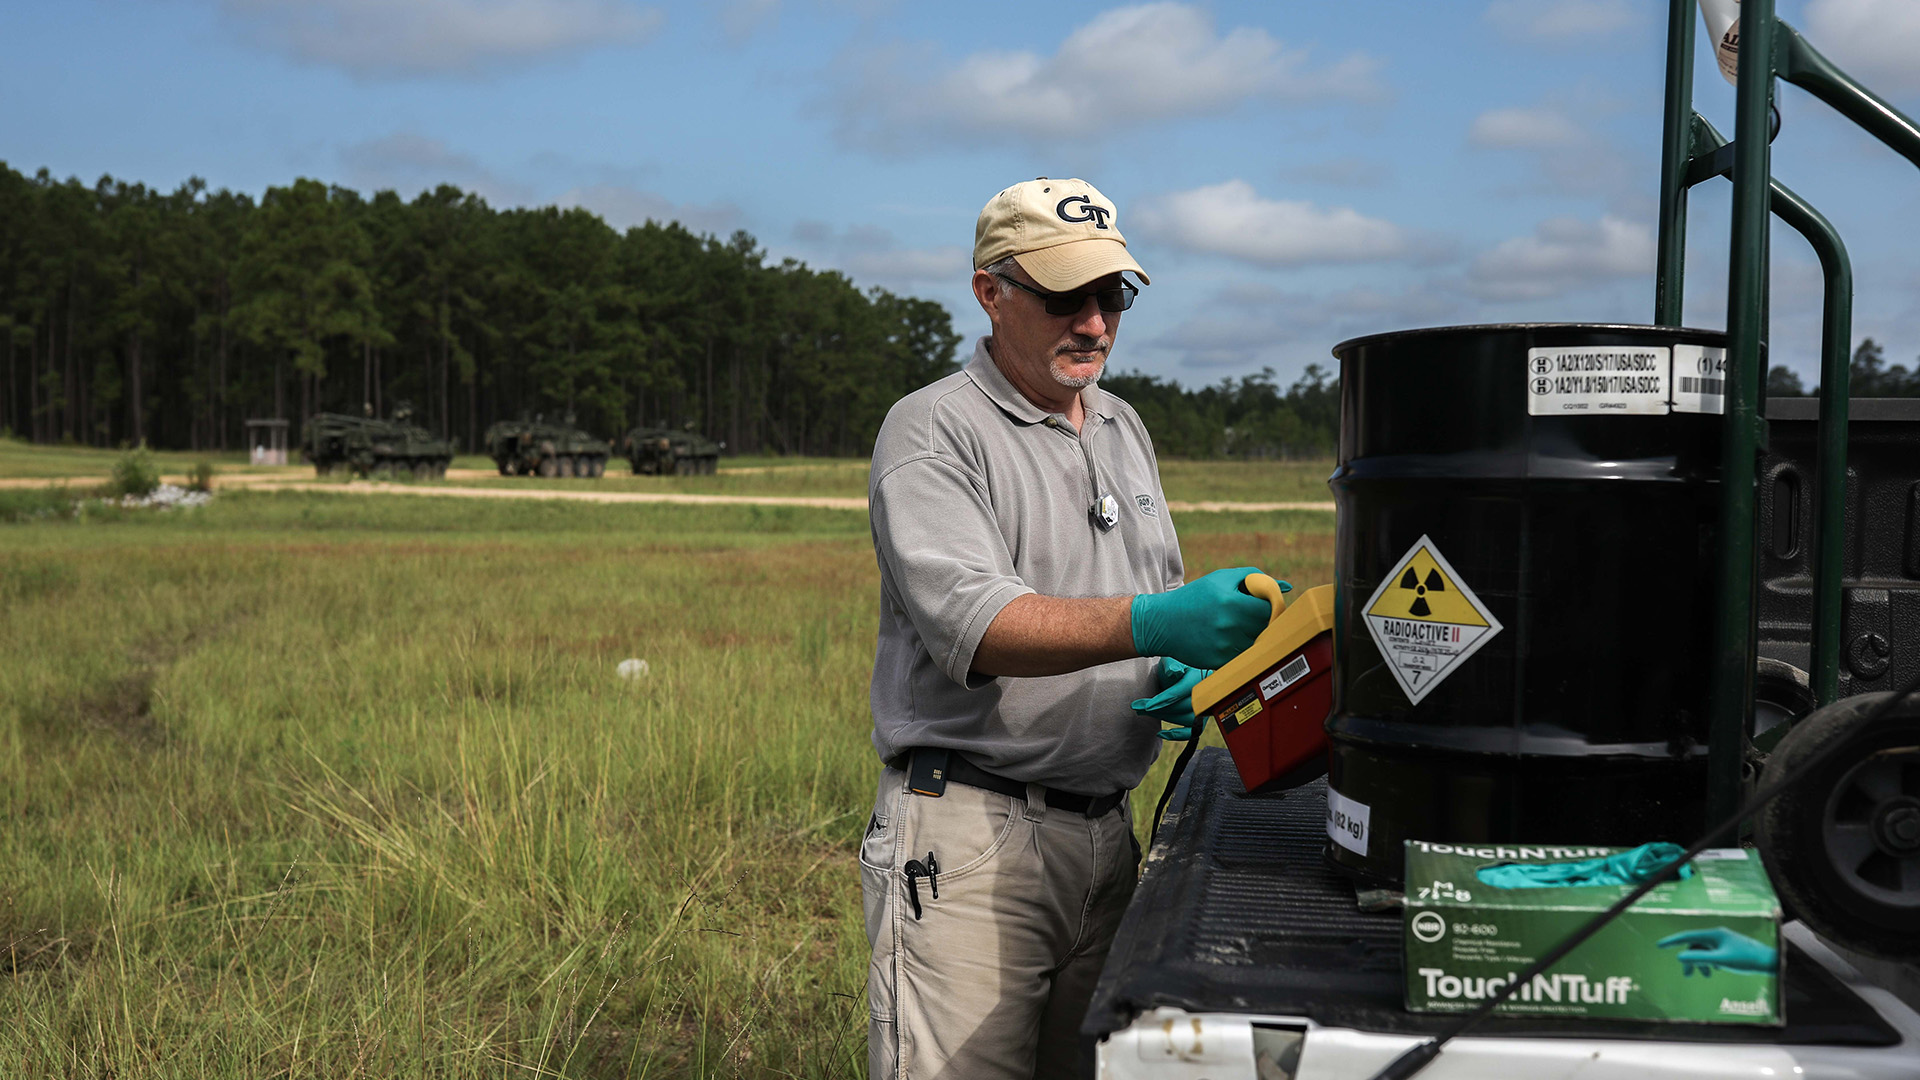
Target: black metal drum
1527 533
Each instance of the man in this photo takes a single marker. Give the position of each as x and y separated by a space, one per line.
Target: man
1029 575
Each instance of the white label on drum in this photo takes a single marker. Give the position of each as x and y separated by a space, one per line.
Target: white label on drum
1347 822
1699 379
1598 380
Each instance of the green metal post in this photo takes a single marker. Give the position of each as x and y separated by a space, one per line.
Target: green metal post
1669 289
1802 65
1836 328
1830 468
1731 680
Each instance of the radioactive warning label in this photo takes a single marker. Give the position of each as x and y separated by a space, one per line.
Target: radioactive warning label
1599 379
1426 620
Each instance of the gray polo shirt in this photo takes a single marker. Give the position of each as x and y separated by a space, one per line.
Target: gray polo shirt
979 496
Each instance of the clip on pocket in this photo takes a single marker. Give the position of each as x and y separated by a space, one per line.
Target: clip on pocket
915 871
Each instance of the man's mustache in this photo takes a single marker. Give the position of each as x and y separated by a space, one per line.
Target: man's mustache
1083 344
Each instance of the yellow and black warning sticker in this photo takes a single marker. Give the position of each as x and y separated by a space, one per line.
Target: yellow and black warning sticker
1243 709
1426 620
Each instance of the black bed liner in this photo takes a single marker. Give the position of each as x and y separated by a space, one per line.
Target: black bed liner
1239 913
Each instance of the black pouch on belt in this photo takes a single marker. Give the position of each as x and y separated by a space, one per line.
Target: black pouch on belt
927 773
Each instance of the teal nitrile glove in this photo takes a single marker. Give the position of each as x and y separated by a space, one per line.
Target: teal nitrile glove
1174 703
1721 947
1626 868
1205 622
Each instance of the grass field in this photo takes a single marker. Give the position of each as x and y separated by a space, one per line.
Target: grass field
307 785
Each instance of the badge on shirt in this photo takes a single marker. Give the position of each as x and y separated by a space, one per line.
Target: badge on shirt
1145 502
1106 512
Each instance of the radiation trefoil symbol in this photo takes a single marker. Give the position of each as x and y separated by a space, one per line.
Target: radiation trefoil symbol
1426 620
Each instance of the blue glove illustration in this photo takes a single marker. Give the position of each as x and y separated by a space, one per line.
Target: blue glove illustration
1626 868
1174 703
1206 622
1723 948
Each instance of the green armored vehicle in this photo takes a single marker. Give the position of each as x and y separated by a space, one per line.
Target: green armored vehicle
535 447
662 451
337 443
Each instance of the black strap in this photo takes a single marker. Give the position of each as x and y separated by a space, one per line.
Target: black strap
961 771
1173 781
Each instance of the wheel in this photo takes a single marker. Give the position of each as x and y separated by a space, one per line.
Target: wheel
713 466
548 468
506 467
566 466
440 470
382 470
1782 694
599 467
1843 845
423 470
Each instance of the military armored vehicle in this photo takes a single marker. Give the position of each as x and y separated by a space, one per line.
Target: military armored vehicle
539 448
662 451
338 443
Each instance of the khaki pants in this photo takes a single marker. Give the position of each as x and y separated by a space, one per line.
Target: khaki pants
993 979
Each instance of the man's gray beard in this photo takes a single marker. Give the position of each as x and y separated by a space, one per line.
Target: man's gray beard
1075 382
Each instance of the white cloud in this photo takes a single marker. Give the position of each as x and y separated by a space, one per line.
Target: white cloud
1231 219
1128 65
397 38
624 207
409 163
1563 254
1875 40
870 255
1574 157
741 19
1249 326
1561 20
1521 128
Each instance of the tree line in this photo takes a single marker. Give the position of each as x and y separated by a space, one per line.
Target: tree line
130 315
1868 375
1250 417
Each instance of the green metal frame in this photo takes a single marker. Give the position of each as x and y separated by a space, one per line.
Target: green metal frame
1692 152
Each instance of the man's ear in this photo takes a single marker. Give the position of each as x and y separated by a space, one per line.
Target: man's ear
987 291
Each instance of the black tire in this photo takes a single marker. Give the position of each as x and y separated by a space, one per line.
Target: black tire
423 470
1843 844
506 468
568 468
548 468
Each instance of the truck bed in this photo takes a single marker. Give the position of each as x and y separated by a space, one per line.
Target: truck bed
1238 912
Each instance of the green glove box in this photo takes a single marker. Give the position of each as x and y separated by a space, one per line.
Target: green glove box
1702 950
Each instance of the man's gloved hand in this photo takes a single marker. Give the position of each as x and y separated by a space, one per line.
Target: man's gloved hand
1721 947
1174 703
1205 622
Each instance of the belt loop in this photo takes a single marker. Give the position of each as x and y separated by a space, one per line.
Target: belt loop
1036 803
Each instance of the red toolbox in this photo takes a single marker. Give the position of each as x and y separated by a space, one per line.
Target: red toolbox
1271 702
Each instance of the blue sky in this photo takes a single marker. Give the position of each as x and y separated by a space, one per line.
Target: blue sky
1290 173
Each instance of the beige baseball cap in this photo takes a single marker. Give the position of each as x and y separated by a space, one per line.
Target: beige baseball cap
1063 232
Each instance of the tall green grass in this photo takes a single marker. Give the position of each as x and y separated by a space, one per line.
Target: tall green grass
325 785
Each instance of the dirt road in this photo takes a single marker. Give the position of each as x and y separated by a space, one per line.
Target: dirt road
290 480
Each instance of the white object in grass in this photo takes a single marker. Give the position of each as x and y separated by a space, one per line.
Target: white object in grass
632 670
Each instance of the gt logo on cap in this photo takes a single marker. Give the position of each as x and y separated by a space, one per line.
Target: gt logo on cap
1088 211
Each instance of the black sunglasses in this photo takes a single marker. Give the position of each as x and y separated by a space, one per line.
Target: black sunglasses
1070 303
